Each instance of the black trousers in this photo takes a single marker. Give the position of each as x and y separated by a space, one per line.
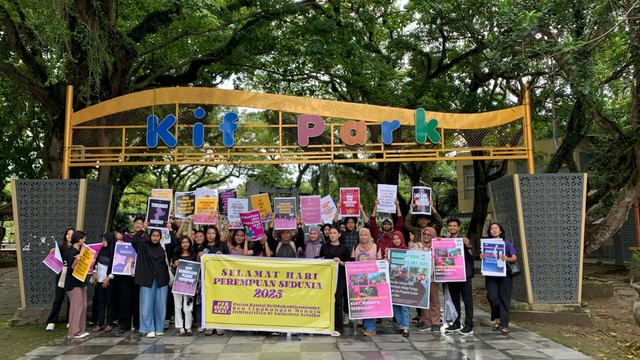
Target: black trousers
340 291
464 289
58 298
128 295
499 296
105 304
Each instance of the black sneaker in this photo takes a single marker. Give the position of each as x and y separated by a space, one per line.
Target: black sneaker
422 326
452 328
435 328
466 330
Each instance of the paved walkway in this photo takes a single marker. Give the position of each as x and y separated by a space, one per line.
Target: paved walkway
483 344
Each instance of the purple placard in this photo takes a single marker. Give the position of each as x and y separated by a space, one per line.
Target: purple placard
310 210
253 224
124 260
223 197
186 280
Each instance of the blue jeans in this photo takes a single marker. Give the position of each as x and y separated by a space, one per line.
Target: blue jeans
401 313
369 324
153 308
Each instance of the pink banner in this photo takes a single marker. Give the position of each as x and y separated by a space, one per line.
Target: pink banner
369 289
252 224
448 260
310 210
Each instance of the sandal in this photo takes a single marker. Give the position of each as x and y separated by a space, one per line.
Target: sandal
496 326
219 332
208 332
505 331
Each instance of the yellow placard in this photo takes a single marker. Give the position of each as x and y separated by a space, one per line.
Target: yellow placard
268 294
84 264
205 211
261 202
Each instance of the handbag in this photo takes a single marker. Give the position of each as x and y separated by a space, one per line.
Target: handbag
63 277
513 268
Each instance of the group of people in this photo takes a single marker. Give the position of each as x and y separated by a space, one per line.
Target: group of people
144 300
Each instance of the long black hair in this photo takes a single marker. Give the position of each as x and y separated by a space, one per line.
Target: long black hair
501 230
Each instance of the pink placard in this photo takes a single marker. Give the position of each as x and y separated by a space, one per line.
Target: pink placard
369 289
253 224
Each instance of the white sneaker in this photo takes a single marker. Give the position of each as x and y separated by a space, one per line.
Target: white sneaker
81 336
151 334
51 327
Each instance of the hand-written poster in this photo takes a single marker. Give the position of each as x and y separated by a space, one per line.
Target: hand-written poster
310 210
83 265
185 204
54 260
410 274
268 294
96 248
350 201
387 195
163 194
158 212
448 258
492 265
224 195
369 289
328 209
285 213
261 202
235 207
124 259
421 198
186 279
252 224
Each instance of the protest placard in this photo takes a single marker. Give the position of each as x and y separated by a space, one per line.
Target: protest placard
54 260
421 199
448 255
261 202
224 195
234 208
185 204
387 195
410 274
83 265
328 209
158 212
310 210
369 289
492 265
252 224
350 201
124 259
186 279
285 213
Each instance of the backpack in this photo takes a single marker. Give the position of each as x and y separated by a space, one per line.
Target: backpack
286 251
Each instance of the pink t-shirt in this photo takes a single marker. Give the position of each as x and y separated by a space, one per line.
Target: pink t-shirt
361 254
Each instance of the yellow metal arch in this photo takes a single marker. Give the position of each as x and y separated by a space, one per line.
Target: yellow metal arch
297 105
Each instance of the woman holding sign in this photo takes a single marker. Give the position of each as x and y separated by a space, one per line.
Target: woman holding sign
339 253
499 288
152 275
76 290
182 302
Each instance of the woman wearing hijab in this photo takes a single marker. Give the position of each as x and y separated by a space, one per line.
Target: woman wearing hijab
400 313
429 318
102 278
